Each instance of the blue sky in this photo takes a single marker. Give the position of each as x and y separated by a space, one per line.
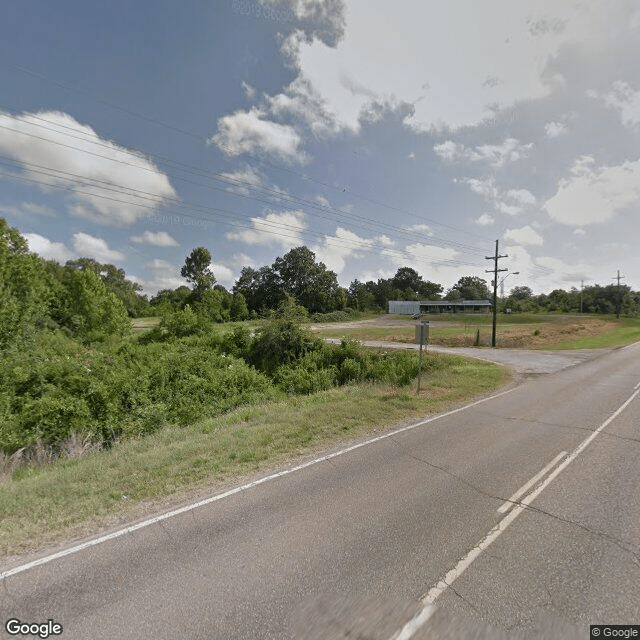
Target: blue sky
378 134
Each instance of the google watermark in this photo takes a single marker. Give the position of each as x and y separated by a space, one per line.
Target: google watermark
15 627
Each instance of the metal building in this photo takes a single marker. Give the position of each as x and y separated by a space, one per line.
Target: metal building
412 307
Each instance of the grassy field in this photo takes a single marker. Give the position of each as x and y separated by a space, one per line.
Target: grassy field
531 331
71 498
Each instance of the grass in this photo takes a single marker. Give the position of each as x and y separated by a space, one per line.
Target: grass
71 498
627 333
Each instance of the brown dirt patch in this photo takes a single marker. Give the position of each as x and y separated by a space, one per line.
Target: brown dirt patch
531 336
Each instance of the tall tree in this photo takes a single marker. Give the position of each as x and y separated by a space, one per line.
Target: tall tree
197 270
310 282
469 288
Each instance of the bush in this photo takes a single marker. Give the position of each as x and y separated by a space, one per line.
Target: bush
303 381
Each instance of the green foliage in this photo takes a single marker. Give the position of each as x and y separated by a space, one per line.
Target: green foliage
469 288
115 280
26 289
197 270
89 310
281 341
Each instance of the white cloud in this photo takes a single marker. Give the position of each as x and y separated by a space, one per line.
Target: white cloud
511 202
87 246
276 228
496 155
523 196
156 239
424 229
424 67
323 201
594 195
249 91
385 240
555 129
336 249
485 220
626 100
248 132
223 274
241 181
96 170
47 249
164 276
525 235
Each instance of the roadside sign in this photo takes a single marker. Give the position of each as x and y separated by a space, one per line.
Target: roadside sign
422 333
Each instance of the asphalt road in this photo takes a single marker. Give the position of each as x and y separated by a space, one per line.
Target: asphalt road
401 537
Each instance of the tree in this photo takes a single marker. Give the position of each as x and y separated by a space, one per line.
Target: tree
115 280
261 288
197 270
412 287
310 282
91 311
521 293
469 288
27 289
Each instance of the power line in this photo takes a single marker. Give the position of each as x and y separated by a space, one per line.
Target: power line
205 138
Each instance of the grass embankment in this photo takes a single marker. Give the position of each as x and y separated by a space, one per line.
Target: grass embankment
627 332
77 497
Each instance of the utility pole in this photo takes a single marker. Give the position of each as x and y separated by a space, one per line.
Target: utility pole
495 271
618 278
581 288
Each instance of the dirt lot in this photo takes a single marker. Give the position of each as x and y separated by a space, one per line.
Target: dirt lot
542 331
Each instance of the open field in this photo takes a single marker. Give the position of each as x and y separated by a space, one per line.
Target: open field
527 331
71 498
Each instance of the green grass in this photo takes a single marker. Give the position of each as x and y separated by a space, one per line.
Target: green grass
71 498
627 333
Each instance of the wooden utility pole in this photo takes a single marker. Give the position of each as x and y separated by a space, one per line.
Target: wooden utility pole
495 272
618 278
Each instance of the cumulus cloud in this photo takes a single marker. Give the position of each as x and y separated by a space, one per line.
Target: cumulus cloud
511 202
88 246
496 155
626 101
485 220
46 249
283 228
336 249
593 195
425 68
164 275
555 129
224 275
156 239
249 132
525 235
96 171
241 181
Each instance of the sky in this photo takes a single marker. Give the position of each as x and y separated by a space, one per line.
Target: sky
380 135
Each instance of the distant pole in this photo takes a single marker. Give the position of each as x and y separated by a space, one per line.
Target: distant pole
618 278
581 288
495 271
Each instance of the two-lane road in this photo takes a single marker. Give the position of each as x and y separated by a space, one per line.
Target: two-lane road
411 518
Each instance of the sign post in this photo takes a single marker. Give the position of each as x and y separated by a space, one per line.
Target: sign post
422 336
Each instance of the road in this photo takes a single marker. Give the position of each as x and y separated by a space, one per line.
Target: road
405 536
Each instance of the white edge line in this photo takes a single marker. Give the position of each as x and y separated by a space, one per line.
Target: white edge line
438 589
226 494
415 623
511 501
